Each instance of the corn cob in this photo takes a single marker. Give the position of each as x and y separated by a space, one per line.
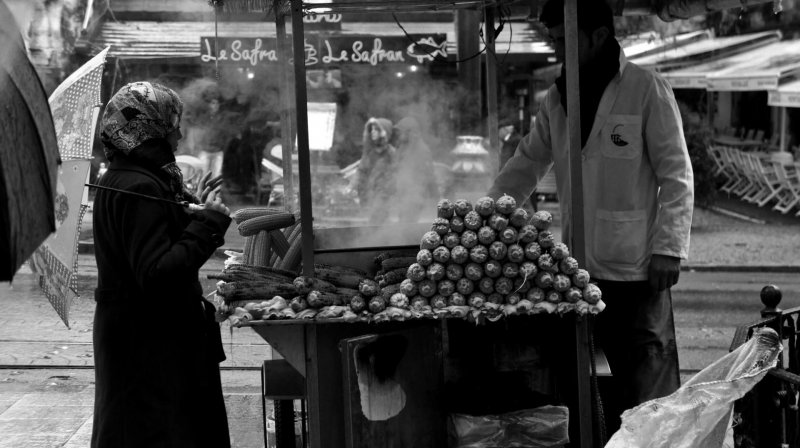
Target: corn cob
383 256
519 218
342 276
580 278
399 300
493 268
409 288
456 299
469 239
377 304
254 290
298 304
388 291
249 247
484 206
459 255
287 232
358 303
462 207
446 287
318 299
438 302
368 287
504 285
266 222
457 224
238 276
498 222
424 257
505 204
440 226
495 297
435 272
430 240
445 209
418 303
304 285
243 214
392 277
261 245
397 262
278 242
510 269
262 270
293 257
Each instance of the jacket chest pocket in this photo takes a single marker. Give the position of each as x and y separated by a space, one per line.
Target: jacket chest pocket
621 137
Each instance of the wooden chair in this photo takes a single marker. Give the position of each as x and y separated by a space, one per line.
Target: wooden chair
715 154
789 196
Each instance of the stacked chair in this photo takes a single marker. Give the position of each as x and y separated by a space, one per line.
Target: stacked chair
758 177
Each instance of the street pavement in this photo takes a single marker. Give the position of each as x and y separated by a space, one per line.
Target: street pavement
46 370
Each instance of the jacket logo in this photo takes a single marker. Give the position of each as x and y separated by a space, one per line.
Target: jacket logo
616 138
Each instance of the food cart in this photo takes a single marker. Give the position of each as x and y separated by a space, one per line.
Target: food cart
325 352
346 406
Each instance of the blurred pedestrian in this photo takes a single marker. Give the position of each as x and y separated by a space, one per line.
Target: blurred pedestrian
376 182
157 347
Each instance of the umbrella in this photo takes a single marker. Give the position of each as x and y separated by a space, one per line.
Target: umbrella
28 153
76 105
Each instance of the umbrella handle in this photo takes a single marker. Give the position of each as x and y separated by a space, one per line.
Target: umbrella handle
185 204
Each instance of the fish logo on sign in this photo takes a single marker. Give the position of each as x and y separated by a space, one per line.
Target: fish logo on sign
427 49
616 138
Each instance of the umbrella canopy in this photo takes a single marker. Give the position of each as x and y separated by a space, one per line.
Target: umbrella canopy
75 105
28 153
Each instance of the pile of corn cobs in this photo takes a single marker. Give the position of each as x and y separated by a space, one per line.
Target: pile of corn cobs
477 262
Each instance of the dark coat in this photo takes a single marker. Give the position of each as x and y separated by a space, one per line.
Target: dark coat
157 347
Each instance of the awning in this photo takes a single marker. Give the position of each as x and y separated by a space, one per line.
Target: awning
787 95
759 68
650 44
704 50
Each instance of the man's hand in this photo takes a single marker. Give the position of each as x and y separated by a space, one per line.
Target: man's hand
663 272
207 185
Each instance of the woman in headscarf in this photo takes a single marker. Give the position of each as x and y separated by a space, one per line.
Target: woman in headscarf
157 347
376 176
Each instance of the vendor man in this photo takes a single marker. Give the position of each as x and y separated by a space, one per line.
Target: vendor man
638 198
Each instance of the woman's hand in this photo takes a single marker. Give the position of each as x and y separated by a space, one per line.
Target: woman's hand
214 202
207 185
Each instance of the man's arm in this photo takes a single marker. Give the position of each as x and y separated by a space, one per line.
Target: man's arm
532 159
669 157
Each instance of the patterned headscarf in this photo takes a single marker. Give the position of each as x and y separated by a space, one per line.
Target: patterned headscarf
138 112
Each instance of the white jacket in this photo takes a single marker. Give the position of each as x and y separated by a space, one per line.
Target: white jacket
637 175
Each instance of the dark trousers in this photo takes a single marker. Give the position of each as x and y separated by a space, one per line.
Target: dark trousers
637 333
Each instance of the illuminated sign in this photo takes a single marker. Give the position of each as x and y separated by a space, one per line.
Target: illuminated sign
324 50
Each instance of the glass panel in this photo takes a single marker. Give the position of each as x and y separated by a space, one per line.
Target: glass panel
395 122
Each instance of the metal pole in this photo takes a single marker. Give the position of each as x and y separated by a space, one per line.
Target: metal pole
491 78
287 136
783 129
582 362
303 159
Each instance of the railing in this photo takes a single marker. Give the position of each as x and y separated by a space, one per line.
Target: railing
768 417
